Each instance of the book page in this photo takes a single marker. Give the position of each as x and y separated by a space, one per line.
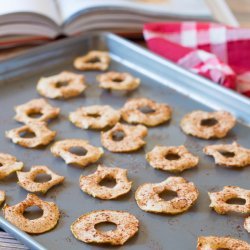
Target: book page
165 7
46 8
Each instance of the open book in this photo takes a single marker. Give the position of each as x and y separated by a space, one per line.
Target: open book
23 21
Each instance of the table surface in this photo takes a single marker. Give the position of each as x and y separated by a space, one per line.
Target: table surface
7 242
241 10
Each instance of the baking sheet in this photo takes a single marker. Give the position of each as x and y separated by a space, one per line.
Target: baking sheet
161 81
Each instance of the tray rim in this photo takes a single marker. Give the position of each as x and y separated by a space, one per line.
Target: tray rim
18 63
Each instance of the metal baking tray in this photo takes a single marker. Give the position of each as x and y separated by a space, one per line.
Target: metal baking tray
161 81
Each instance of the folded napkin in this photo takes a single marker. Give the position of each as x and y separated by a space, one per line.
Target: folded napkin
215 51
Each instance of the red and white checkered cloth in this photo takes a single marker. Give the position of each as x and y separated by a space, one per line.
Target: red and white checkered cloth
218 52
